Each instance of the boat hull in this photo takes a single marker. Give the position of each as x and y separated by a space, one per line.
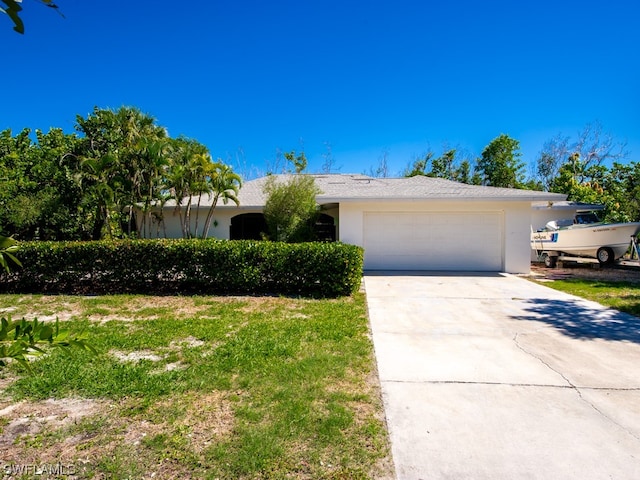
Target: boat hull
586 240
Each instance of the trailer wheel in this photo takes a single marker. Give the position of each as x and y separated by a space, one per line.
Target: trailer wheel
549 261
605 256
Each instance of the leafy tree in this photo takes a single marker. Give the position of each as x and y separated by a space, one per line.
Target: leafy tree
81 186
617 189
299 161
578 169
567 183
500 164
623 185
465 175
39 193
57 167
291 209
13 8
446 166
592 148
120 156
419 166
17 214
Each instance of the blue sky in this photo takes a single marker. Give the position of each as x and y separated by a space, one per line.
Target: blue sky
249 78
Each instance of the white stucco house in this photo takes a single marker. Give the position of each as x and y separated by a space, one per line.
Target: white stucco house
416 223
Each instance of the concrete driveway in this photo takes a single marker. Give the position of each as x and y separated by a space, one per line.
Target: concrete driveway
494 377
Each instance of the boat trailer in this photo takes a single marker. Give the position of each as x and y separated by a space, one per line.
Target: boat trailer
550 258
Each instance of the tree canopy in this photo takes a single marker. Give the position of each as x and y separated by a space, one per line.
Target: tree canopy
448 166
588 168
82 185
500 164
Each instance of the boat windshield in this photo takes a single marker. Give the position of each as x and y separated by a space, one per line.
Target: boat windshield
586 218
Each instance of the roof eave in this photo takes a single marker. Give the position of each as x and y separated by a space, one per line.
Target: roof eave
525 198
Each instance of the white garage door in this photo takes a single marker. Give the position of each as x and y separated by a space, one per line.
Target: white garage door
464 241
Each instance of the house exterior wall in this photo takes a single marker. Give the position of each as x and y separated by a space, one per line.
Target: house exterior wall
220 225
516 224
222 216
518 238
349 218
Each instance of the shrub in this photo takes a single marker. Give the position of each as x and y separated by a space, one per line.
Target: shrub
187 266
291 209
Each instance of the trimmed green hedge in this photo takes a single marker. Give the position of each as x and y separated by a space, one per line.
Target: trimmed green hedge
187 266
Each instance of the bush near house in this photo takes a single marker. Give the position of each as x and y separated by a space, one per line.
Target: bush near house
187 266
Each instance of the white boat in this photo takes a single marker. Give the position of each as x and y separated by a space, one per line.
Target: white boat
583 236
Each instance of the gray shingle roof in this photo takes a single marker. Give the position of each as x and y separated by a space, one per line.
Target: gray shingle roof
341 188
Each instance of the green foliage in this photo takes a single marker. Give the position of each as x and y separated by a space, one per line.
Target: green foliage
291 209
299 161
122 155
419 166
190 169
13 9
8 246
618 188
623 185
187 266
220 183
445 166
500 164
39 195
81 186
22 339
578 169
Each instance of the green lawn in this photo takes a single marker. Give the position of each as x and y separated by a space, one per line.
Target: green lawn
623 296
200 387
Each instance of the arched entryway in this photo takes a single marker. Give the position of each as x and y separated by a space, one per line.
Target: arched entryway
325 228
253 226
248 226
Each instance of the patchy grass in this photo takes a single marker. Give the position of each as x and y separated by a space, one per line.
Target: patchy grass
200 387
623 296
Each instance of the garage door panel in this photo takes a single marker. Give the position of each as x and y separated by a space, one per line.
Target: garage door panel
433 241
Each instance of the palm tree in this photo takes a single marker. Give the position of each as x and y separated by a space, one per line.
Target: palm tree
148 187
187 178
224 184
121 156
202 169
99 189
177 185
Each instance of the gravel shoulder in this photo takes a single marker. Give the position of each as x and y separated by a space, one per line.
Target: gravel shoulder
588 271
